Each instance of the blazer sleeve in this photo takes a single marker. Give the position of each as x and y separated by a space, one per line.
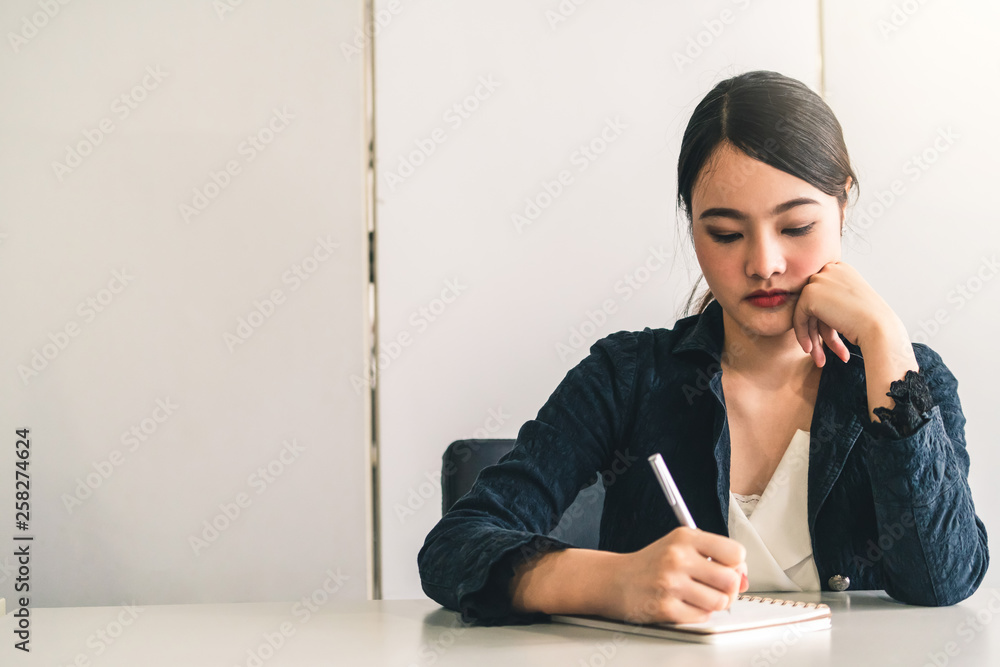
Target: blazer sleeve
468 559
919 476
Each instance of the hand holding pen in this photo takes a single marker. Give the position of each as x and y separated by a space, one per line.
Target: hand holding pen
696 572
683 577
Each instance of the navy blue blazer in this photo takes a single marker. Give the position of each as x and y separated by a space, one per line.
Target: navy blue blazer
892 513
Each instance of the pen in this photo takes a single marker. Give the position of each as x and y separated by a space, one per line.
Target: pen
674 498
670 489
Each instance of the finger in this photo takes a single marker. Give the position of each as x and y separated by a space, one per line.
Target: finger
726 580
666 608
704 597
744 577
679 610
834 342
800 323
712 574
724 551
817 351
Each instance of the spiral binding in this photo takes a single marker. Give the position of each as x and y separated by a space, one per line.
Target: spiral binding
784 603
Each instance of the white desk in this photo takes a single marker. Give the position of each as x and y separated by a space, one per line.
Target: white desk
868 629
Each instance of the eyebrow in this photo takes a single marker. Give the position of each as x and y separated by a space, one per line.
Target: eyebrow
719 212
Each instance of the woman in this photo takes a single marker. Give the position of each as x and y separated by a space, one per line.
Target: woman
826 474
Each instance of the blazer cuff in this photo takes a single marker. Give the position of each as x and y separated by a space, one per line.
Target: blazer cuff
911 411
491 603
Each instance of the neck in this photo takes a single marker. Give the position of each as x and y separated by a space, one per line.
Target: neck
749 354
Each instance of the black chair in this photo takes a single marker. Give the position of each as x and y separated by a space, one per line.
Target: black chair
579 525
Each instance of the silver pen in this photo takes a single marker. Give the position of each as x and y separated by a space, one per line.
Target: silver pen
670 489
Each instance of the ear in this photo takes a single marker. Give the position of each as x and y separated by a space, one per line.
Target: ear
843 209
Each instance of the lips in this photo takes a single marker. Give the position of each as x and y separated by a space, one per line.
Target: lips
764 299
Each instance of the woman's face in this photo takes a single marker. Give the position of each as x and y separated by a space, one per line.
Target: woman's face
758 228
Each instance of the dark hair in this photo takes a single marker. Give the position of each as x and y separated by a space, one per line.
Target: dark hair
772 118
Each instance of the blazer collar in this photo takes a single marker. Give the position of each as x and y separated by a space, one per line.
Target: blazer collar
706 334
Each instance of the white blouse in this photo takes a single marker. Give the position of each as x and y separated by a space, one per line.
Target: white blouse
774 526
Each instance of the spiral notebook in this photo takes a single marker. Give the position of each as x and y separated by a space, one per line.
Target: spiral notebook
749 617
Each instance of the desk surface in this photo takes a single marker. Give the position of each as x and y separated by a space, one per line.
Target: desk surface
869 628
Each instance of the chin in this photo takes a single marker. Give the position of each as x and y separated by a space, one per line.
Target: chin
765 331
764 323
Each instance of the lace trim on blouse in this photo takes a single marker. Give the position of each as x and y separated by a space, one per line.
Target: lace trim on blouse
748 502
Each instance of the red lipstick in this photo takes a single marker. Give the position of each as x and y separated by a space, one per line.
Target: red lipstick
768 298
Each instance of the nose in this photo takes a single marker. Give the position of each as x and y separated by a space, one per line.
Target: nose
765 256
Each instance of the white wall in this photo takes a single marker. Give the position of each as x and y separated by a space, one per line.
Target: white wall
559 84
160 338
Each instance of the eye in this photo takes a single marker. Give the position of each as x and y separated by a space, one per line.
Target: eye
800 231
725 238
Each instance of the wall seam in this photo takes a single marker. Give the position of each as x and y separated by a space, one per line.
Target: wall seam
371 365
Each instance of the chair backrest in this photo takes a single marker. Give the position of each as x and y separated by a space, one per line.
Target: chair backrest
464 459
